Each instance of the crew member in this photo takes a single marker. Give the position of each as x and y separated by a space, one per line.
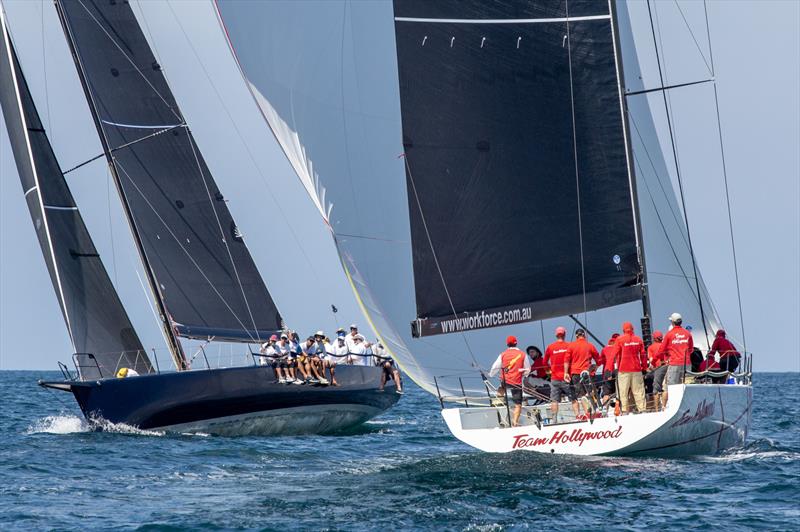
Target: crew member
609 371
631 360
538 366
709 364
386 363
555 356
582 356
514 365
659 365
729 357
350 340
677 348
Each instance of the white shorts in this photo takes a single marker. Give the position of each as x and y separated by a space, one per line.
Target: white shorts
331 360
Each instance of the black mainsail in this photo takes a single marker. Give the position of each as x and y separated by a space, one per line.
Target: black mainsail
96 320
518 181
200 270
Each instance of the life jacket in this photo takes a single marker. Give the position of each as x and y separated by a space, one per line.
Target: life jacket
513 361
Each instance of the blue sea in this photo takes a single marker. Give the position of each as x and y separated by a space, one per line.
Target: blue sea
400 471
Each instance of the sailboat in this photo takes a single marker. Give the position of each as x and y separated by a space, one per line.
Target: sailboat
492 169
202 278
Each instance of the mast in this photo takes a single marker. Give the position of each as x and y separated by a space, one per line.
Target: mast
174 344
646 334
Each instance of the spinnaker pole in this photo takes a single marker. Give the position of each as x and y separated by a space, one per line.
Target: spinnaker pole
173 343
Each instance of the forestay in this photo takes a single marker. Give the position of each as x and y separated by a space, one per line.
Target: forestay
203 272
96 320
327 79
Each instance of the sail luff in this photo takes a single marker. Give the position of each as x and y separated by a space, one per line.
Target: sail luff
176 350
53 260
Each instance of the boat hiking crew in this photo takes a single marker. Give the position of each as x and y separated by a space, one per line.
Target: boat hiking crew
709 364
729 357
560 382
513 365
676 348
390 370
631 360
659 366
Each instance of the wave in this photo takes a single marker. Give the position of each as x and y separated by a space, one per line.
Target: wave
760 449
68 424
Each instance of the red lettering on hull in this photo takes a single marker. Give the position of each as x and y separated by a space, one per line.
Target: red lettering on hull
562 436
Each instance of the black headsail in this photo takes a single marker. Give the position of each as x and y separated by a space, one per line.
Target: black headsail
201 270
520 195
96 320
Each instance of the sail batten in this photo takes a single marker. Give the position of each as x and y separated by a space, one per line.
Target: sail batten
202 271
95 318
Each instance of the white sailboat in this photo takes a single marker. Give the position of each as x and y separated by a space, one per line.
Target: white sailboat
484 166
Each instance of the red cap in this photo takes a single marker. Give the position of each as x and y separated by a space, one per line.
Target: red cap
721 333
613 337
273 337
658 335
511 340
561 331
627 327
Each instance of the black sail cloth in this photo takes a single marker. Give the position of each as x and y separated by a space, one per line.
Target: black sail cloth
495 128
96 320
205 274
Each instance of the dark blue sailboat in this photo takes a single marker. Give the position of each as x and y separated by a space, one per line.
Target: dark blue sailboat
201 275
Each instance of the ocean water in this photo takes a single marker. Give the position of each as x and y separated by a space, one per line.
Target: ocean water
401 471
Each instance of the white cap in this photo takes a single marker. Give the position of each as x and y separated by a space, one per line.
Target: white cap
359 337
675 317
319 333
353 326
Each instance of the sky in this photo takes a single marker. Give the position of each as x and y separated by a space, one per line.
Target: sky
756 49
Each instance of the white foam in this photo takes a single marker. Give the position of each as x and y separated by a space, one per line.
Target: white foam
58 425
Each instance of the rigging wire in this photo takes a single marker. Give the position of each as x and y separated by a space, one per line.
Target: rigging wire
678 172
575 156
44 71
727 194
686 22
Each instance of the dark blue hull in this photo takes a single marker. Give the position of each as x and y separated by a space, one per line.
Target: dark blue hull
243 400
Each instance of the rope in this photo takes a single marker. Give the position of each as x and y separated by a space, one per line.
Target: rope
575 157
678 173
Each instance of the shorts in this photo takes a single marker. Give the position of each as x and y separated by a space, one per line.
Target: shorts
658 378
560 389
675 374
282 364
609 382
729 363
581 388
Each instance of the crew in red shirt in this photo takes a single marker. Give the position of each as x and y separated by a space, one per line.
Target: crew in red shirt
728 354
659 365
677 349
582 356
538 365
709 364
557 356
631 360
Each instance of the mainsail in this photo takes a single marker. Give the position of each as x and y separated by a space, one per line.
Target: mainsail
467 172
96 320
200 269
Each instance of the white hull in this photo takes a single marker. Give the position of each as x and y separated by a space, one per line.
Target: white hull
314 419
699 419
